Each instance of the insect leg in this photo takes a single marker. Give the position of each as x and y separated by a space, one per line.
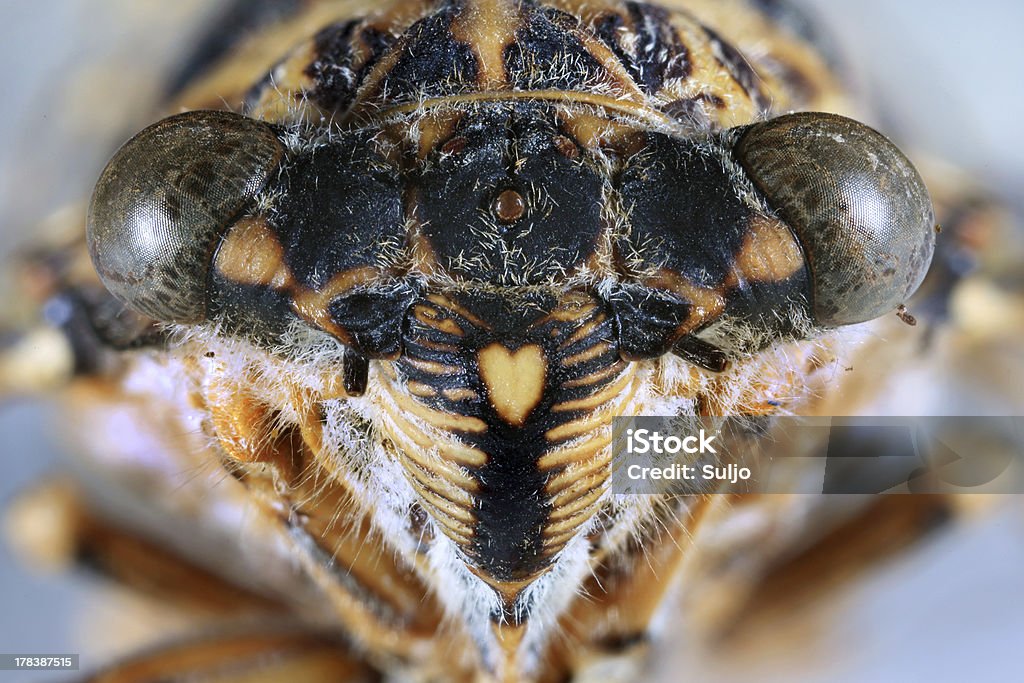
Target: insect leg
267 653
53 525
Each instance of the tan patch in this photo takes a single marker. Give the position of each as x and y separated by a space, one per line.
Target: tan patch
582 332
312 305
460 394
619 80
514 381
575 99
227 85
432 318
774 50
596 400
445 421
433 367
587 10
572 306
770 253
594 377
434 128
569 430
596 131
414 447
708 77
509 637
569 458
586 355
252 255
576 478
422 390
568 508
489 26
707 303
424 258
284 101
444 302
567 503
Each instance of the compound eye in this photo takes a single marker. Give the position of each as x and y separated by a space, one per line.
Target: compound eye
857 205
164 201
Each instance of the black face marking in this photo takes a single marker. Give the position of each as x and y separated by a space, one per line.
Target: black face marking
340 208
373 318
741 71
547 55
684 212
647 320
432 62
775 310
657 55
258 313
509 149
512 507
345 54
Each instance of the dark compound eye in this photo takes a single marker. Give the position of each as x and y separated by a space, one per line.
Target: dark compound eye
163 202
857 205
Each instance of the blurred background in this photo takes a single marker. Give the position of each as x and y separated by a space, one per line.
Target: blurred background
82 75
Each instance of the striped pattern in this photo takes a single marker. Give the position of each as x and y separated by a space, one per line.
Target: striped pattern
688 65
509 487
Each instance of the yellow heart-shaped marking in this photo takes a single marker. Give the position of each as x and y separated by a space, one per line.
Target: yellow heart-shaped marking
514 381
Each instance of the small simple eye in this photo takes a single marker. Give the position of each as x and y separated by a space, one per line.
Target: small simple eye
857 205
165 199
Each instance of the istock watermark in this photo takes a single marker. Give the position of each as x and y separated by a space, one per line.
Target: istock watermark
643 441
861 455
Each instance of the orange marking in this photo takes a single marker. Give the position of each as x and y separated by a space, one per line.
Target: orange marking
433 367
593 131
572 307
312 305
514 381
567 431
438 485
438 418
432 318
457 512
597 399
570 509
595 377
573 455
436 127
708 303
489 27
770 253
414 444
444 302
252 255
460 394
572 476
583 332
587 354
421 389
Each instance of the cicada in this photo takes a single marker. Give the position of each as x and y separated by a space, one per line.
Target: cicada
363 307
